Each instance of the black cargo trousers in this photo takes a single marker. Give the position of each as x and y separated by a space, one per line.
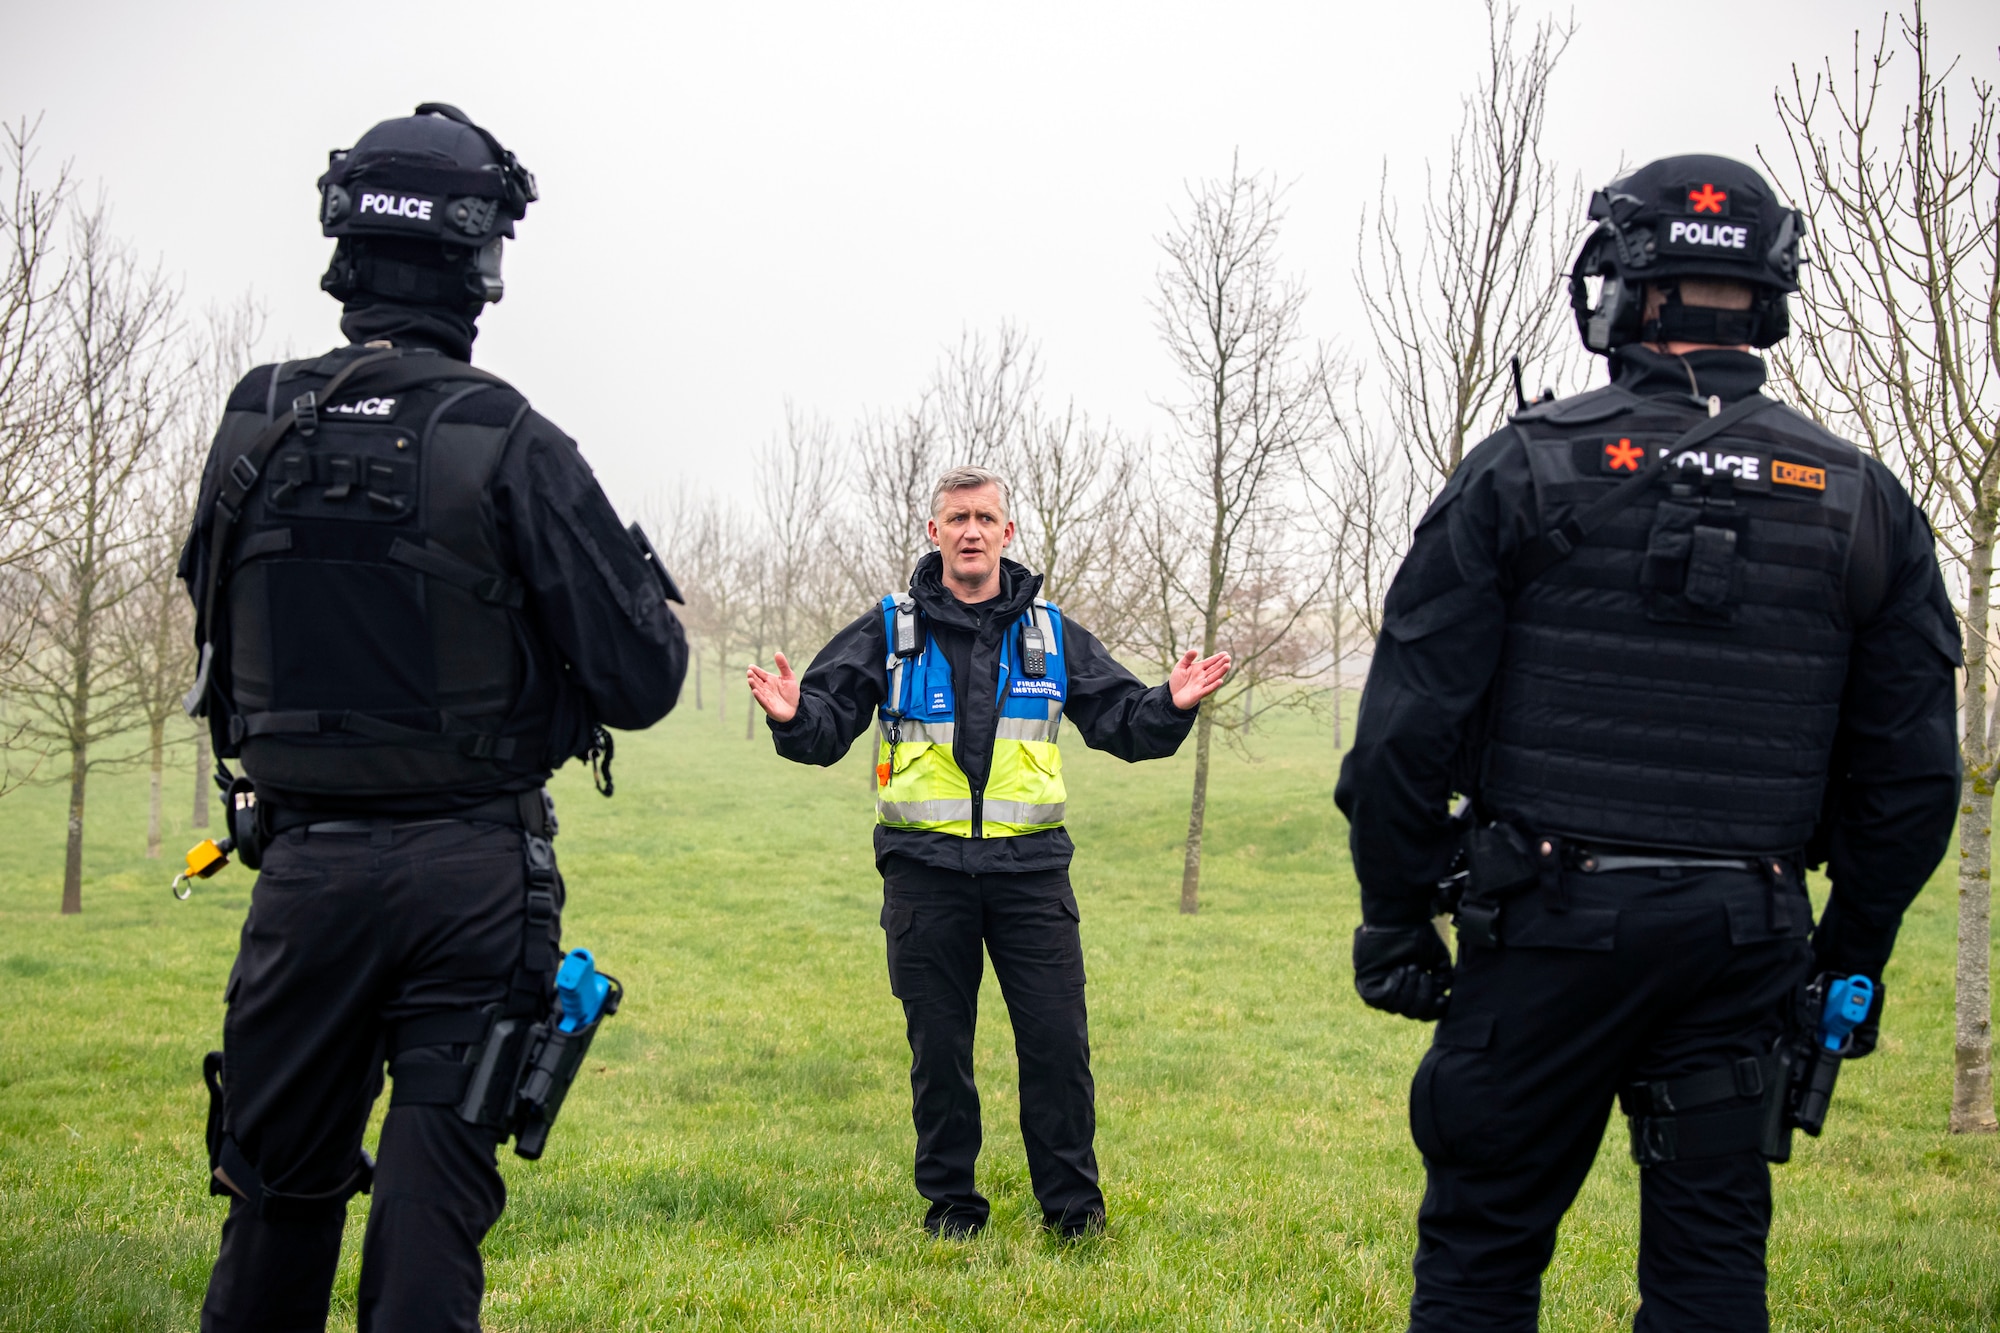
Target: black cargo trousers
1601 982
351 932
937 921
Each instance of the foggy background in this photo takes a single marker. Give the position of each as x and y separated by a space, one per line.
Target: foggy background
741 206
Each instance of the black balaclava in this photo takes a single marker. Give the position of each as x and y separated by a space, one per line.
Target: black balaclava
370 318
447 326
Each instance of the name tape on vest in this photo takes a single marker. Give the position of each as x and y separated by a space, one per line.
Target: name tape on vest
375 409
1027 687
1622 457
403 207
1798 474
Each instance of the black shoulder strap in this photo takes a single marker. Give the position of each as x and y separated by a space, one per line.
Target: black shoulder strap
1550 549
382 371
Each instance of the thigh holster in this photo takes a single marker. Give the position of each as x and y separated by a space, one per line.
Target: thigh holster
233 1175
1671 1121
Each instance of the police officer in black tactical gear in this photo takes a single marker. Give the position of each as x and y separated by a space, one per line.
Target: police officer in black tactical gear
414 603
1675 643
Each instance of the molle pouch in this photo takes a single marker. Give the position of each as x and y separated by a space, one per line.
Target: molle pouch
1498 866
1498 861
1712 570
1669 546
1690 572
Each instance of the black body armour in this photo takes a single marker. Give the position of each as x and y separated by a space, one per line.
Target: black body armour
1675 682
370 622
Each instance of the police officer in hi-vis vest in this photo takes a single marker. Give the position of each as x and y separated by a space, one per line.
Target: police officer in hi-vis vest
967 680
1676 643
413 603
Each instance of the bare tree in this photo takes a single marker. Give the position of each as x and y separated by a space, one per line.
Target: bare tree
1254 399
117 330
1365 497
1485 281
801 588
1898 342
152 630
898 456
33 280
1072 493
984 394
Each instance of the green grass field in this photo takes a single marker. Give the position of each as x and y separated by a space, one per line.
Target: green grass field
738 1154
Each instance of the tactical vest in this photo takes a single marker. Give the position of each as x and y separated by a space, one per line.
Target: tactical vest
918 783
1675 682
369 621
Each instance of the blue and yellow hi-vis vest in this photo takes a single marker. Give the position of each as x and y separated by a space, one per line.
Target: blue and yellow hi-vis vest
918 783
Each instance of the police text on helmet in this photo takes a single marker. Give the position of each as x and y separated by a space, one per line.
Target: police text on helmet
397 205
1709 233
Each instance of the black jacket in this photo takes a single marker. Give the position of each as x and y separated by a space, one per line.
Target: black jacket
567 547
1892 795
846 683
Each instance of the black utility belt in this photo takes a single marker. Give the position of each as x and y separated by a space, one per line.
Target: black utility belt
1592 861
529 810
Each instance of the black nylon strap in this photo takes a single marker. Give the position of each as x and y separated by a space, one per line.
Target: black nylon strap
1747 1077
452 735
1550 549
1679 1138
442 564
449 1027
428 1083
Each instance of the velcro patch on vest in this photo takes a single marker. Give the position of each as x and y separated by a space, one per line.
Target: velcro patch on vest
1027 687
1625 455
419 212
1803 475
1706 236
372 409
940 702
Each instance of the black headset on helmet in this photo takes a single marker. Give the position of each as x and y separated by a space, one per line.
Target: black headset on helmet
1693 216
434 178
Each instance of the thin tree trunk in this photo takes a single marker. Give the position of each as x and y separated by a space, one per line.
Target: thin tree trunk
697 680
79 746
722 688
201 764
79 769
1197 814
156 740
1972 1079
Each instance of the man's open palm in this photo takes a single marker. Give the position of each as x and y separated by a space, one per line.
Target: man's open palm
1192 681
778 695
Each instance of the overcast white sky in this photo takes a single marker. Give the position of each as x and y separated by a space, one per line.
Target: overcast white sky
744 204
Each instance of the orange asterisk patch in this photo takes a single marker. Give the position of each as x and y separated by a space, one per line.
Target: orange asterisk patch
1623 456
1707 199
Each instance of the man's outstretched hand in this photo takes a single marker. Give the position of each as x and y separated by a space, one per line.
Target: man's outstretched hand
1193 681
778 695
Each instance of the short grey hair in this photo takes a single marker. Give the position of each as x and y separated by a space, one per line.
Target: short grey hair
966 479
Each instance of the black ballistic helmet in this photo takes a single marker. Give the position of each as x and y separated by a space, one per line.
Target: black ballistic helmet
1693 216
420 206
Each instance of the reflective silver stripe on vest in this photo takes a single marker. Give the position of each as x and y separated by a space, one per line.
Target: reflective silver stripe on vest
1028 729
948 812
925 812
913 732
1020 812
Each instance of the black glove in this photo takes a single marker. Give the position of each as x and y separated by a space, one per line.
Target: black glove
1842 948
1403 969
